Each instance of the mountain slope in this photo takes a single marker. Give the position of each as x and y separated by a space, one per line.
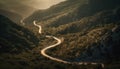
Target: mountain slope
95 38
97 26
101 18
70 11
59 14
14 38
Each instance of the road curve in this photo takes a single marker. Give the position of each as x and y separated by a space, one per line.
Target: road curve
43 51
40 28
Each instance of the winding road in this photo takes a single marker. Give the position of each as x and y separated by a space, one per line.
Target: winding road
43 51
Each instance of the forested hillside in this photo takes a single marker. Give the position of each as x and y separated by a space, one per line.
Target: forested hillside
14 37
91 30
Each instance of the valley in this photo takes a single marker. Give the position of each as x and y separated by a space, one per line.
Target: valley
80 34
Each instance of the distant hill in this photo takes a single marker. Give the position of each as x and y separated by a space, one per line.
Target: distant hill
14 38
11 15
19 8
70 11
61 13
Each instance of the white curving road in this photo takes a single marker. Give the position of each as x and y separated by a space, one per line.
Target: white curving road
40 28
43 51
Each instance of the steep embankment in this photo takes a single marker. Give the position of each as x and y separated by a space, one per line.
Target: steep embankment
14 38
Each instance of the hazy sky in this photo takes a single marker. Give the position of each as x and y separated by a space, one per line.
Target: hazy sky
26 7
41 4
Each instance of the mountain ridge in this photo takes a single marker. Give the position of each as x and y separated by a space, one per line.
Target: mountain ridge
11 15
